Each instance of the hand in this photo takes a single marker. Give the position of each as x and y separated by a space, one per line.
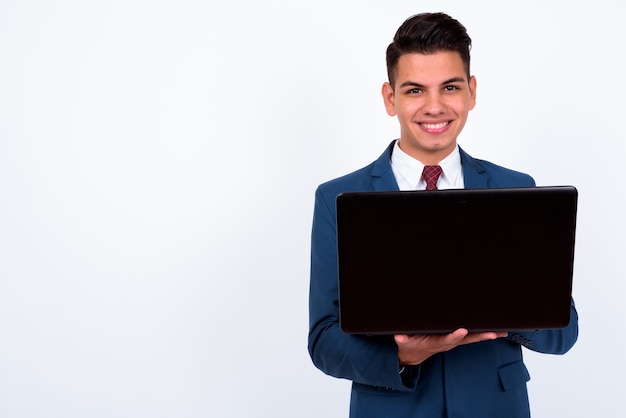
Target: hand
414 349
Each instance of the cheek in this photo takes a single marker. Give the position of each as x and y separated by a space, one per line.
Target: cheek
407 110
467 103
463 106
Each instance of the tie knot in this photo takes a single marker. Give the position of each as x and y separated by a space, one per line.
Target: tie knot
431 174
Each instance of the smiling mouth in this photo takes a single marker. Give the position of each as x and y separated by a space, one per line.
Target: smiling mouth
435 126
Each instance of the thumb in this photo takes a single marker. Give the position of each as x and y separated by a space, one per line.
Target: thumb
401 338
458 335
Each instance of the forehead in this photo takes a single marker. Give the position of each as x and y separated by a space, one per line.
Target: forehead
430 69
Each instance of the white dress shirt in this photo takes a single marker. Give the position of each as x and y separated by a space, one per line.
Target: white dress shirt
408 171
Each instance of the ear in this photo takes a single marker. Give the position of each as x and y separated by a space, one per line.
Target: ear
472 88
389 99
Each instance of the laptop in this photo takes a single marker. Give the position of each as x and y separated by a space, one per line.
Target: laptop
435 261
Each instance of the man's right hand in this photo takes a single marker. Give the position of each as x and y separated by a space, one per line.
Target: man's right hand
414 349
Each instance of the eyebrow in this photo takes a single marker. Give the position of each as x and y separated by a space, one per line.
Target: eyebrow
449 81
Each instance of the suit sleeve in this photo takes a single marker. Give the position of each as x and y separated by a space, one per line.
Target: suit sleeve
363 359
557 341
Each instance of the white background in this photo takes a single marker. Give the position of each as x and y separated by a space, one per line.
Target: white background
158 161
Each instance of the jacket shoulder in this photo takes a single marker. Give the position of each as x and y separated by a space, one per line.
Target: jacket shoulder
495 175
358 180
375 176
503 171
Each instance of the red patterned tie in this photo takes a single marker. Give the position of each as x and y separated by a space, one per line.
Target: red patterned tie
431 174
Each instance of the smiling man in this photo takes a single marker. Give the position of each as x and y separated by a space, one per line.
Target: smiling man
461 374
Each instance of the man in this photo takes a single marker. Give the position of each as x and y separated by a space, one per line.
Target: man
460 374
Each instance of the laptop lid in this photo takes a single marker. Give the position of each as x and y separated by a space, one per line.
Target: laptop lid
436 261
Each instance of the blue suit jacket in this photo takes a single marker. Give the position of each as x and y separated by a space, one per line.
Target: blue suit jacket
486 379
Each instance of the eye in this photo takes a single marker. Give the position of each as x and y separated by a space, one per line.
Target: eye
414 91
450 88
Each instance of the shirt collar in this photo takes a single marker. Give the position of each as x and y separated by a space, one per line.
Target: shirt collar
411 169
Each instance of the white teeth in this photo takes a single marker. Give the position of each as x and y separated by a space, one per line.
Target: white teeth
434 125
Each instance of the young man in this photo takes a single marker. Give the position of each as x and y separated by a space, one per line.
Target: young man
431 92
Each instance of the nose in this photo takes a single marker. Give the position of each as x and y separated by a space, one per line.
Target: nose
434 103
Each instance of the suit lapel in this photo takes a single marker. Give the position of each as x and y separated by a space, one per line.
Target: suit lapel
382 175
474 175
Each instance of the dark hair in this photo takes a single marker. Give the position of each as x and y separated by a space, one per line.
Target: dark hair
427 33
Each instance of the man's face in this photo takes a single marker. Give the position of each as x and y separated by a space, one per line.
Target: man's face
431 98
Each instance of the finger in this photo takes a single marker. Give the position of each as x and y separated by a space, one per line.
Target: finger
494 334
457 335
481 336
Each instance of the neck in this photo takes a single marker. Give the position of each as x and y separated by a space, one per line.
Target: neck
427 157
